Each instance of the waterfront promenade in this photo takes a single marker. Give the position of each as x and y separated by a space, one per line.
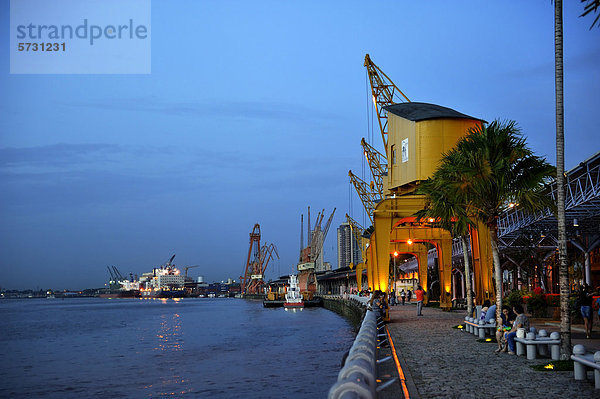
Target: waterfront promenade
441 362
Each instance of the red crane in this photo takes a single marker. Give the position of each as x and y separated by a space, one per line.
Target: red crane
256 263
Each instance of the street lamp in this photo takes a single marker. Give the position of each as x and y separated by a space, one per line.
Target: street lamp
395 257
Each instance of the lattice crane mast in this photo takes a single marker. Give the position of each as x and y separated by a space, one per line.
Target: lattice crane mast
318 236
256 263
384 93
266 254
252 266
357 231
366 193
377 164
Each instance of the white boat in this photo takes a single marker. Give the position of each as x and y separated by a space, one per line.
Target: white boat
293 298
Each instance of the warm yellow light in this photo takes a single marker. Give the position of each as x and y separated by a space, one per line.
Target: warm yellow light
461 326
395 254
409 241
549 366
488 340
431 220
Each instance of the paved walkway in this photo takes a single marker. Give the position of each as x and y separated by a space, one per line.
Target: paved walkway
441 362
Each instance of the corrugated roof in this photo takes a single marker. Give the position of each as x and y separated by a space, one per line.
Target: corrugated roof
423 111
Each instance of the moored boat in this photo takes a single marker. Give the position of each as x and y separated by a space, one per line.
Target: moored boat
293 298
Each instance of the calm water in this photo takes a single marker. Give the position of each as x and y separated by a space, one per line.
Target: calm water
196 348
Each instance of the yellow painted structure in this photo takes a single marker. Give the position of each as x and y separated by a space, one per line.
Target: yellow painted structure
420 251
483 269
442 240
416 144
415 148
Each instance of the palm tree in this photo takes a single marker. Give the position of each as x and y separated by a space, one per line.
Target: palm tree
591 5
449 214
565 316
490 170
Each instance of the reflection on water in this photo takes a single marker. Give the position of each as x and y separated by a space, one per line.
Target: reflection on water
169 333
196 348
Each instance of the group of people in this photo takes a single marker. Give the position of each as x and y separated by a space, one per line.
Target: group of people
378 300
378 303
401 297
510 321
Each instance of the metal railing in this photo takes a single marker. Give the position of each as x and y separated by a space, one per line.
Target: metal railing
358 376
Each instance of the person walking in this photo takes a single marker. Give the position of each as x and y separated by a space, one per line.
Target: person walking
585 303
403 296
393 298
420 294
408 295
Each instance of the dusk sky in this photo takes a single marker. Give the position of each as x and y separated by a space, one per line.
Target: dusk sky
252 112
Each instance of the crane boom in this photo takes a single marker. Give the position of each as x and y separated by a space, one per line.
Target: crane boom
189 267
319 239
368 198
246 278
326 228
384 93
267 254
377 164
112 276
357 231
118 274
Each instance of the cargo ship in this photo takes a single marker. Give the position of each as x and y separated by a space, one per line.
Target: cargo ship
165 281
120 286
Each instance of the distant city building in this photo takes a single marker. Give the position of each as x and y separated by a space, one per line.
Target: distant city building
348 249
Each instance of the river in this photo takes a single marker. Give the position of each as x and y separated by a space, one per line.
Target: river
147 348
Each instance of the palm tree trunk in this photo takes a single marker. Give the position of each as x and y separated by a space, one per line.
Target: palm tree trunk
463 241
497 269
565 315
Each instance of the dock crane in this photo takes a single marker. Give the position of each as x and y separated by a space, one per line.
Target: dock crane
256 263
189 267
318 236
358 231
384 92
118 274
377 164
170 261
366 193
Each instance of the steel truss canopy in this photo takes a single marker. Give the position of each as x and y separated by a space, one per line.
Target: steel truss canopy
582 206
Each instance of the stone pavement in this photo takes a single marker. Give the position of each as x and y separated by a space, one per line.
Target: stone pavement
441 362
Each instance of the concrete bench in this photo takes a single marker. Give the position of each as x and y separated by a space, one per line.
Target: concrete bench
582 362
480 327
533 344
460 303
